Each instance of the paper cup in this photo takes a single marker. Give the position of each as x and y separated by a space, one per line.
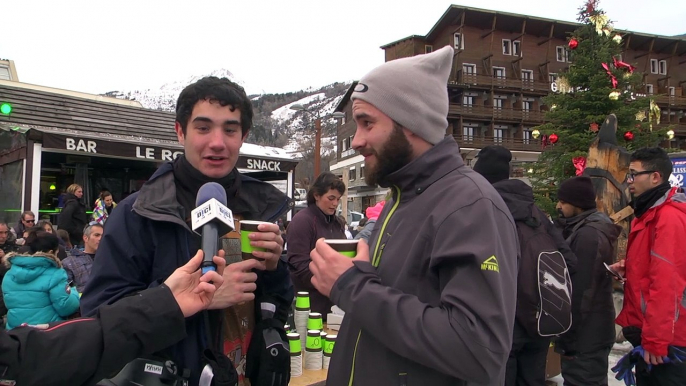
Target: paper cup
314 322
247 227
329 343
302 301
294 343
344 247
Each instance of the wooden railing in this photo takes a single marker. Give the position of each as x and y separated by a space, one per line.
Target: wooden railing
672 101
516 144
468 79
496 113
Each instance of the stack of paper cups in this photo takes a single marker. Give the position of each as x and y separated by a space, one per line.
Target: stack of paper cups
328 349
313 351
296 354
302 312
322 335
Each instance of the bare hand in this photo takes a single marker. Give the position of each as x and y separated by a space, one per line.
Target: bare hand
192 291
620 268
239 284
652 359
269 238
328 265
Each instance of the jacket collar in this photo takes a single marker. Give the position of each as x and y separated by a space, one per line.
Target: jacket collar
49 256
417 176
673 195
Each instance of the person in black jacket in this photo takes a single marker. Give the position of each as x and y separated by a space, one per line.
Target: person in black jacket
527 361
150 235
593 237
136 325
73 217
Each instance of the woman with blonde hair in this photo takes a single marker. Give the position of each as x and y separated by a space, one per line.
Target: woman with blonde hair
73 217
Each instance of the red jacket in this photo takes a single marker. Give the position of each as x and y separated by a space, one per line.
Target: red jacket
656 275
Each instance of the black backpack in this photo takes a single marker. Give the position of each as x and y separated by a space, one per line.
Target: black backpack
544 287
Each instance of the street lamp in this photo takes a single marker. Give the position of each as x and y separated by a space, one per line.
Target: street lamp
318 131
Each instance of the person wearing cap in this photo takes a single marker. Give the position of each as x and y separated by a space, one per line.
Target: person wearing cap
592 236
431 299
527 360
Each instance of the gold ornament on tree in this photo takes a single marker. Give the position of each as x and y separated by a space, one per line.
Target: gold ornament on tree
670 135
563 85
614 95
617 39
641 116
654 114
600 21
535 133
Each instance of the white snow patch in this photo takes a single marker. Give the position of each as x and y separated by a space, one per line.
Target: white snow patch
284 113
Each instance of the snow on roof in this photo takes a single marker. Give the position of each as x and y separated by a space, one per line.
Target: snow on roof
284 112
251 149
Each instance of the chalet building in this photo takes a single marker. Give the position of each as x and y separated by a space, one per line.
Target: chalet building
504 64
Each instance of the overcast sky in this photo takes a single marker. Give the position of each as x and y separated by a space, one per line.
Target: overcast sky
270 46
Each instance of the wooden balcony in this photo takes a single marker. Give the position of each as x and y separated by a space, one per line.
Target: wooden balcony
679 128
671 101
473 80
502 114
513 144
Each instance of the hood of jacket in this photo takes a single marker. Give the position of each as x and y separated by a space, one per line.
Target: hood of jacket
518 196
157 198
26 268
598 220
373 212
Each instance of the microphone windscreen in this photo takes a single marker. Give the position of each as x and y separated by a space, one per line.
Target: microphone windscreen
209 191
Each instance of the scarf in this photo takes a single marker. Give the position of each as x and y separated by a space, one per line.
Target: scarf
188 181
645 201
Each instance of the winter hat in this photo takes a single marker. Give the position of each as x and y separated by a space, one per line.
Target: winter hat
578 191
493 162
412 91
373 212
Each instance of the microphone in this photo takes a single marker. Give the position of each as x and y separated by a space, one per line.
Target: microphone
215 219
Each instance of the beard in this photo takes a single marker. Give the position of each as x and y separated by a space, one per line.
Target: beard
395 153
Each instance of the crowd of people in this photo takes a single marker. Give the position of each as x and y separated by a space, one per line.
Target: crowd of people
452 284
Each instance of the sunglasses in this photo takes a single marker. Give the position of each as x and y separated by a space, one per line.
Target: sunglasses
33 221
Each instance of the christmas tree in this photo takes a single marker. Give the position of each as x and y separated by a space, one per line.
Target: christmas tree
597 83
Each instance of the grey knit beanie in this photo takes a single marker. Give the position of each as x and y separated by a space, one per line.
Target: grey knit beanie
412 91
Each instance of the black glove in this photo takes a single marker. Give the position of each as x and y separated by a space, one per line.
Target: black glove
268 360
224 373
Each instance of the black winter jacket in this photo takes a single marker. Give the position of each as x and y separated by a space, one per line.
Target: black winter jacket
593 237
73 218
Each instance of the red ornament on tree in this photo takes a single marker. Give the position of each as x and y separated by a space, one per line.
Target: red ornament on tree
629 136
573 43
553 138
594 127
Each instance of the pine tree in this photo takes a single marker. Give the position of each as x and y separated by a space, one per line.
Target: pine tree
585 95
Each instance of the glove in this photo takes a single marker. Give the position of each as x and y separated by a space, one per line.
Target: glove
624 369
268 361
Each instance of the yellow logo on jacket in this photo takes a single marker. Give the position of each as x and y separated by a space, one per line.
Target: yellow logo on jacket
491 264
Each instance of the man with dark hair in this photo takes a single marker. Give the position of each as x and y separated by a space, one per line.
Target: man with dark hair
592 236
655 269
431 300
150 235
79 263
27 220
527 360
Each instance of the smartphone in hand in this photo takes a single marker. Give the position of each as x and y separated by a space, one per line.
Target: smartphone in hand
614 273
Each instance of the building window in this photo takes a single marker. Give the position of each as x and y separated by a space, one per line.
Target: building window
352 175
498 135
527 75
344 145
499 72
458 41
362 172
552 77
467 133
468 100
653 66
526 106
428 49
469 69
526 136
671 91
498 103
517 48
649 89
563 54
662 66
507 47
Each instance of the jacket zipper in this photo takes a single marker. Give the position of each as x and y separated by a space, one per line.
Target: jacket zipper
375 262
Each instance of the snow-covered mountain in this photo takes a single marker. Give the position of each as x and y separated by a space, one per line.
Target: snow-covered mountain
275 123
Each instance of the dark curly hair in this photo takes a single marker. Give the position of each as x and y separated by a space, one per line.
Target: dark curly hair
42 241
213 89
325 182
654 158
